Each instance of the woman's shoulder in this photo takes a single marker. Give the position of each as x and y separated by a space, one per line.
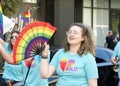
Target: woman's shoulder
118 42
60 50
88 58
6 43
118 45
88 55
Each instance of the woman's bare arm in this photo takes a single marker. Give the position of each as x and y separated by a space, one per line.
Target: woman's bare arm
46 70
92 82
6 56
2 42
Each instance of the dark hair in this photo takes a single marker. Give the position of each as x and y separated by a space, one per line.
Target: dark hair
88 45
10 44
16 24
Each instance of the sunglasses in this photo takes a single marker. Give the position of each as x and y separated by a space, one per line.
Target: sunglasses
13 37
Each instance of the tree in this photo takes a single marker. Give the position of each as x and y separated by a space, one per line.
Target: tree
9 7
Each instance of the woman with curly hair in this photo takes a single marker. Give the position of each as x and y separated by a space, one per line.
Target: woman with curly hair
75 64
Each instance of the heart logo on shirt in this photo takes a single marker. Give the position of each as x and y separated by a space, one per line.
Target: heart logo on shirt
64 63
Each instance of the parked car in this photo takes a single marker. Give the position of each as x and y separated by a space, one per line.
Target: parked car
107 75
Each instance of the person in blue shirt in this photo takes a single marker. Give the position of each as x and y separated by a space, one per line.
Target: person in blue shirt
18 72
115 58
33 78
75 64
12 73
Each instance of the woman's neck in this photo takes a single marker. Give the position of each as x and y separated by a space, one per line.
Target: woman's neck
74 49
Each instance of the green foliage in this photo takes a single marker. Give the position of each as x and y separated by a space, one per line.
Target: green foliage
9 7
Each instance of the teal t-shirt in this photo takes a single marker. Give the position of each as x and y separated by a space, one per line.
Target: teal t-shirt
116 52
12 72
34 78
74 70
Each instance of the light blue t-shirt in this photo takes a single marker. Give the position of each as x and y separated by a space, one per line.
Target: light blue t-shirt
12 72
34 78
74 70
116 52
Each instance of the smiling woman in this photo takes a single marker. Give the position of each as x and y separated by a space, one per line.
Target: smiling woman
74 64
12 73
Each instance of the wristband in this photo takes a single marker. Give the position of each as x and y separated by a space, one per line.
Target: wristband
44 57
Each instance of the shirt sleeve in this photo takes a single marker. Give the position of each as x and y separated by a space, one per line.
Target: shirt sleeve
91 67
5 46
54 61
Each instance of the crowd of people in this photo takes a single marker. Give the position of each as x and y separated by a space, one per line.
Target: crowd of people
78 55
74 64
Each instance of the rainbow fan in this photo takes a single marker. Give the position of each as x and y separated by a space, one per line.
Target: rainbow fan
28 43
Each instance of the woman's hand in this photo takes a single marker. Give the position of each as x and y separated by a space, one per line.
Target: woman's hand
45 51
114 60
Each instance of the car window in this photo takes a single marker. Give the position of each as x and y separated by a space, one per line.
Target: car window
99 60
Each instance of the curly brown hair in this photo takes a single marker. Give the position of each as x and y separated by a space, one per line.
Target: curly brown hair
10 44
88 45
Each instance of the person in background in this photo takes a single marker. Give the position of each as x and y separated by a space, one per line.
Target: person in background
16 27
32 20
75 64
33 77
12 74
115 58
7 34
111 40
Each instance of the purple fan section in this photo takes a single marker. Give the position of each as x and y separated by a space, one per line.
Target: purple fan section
34 43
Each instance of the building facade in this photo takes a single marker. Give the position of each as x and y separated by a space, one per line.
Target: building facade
101 15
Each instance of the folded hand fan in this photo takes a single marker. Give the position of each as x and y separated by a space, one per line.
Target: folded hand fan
28 43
